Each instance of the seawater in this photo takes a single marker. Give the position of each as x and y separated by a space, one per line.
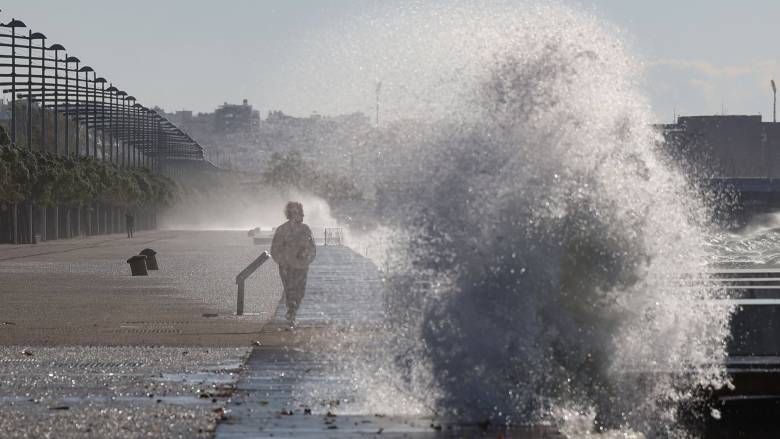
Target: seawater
536 231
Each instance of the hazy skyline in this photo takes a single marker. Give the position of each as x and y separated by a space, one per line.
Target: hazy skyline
700 57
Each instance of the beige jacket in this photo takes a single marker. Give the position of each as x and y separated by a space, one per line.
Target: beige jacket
293 245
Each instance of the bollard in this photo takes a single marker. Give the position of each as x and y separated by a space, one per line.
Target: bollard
151 259
138 265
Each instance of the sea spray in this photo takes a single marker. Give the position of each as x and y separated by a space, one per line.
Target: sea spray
541 231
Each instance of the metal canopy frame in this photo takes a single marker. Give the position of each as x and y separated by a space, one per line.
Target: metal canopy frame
100 120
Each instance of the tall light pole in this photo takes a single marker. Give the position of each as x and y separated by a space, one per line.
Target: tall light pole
56 48
102 124
68 60
774 101
86 70
13 24
122 138
39 36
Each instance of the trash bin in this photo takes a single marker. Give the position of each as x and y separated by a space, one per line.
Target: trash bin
138 265
151 259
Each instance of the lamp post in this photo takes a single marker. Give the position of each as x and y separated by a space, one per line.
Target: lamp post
137 135
97 115
774 101
130 110
112 93
102 112
42 37
42 146
13 24
86 70
68 60
111 136
123 120
56 48
99 123
29 96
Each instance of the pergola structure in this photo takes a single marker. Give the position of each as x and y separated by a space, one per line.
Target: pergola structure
61 106
81 113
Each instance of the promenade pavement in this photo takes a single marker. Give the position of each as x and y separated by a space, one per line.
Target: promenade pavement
86 350
80 291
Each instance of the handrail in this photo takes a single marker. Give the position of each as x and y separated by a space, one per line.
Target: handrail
245 273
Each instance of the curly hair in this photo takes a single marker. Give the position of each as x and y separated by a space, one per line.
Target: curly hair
291 207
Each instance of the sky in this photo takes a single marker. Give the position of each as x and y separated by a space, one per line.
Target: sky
699 57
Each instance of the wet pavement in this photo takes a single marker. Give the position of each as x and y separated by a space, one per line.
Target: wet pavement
80 291
86 350
117 392
297 384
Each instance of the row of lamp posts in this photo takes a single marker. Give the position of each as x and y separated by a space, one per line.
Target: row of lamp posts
115 126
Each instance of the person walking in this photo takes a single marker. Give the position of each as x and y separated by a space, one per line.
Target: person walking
129 224
293 249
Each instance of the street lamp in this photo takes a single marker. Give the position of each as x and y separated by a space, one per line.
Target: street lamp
130 124
138 135
102 82
86 70
42 37
13 24
56 48
774 101
112 90
122 124
68 60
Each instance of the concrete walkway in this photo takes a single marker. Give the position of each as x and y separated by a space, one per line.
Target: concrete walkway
80 291
298 384
86 350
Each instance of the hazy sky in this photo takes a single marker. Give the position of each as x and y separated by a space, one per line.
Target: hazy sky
701 57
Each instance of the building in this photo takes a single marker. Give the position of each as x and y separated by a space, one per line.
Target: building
727 146
231 118
735 152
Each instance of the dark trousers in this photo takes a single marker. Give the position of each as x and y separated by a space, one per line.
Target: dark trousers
294 283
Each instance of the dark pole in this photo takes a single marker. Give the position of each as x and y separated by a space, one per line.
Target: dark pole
43 93
136 134
68 60
130 133
94 115
111 89
78 102
13 24
86 114
86 70
56 48
125 122
102 115
13 85
148 137
774 101
29 94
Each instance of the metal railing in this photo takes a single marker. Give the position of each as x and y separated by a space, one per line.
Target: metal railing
334 236
241 278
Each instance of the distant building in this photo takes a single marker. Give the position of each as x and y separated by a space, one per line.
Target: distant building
727 146
231 118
